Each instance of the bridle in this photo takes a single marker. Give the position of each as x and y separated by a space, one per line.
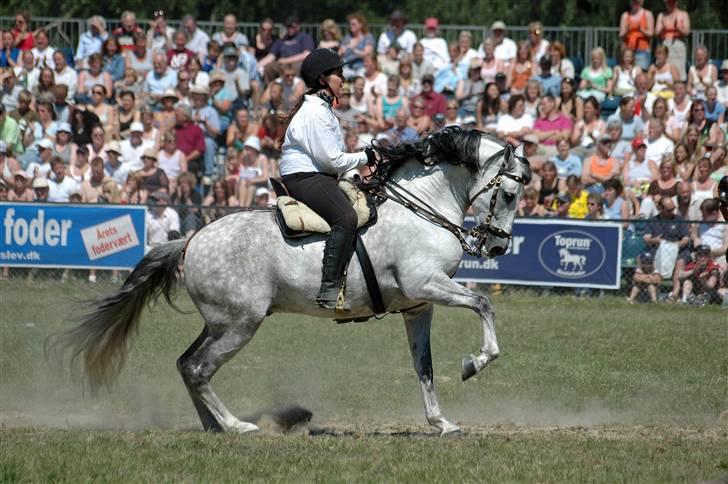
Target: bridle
479 233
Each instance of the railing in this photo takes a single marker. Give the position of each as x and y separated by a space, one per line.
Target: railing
579 41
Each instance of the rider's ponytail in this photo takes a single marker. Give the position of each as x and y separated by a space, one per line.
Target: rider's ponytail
285 119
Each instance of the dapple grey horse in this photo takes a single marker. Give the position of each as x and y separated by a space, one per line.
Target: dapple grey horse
239 269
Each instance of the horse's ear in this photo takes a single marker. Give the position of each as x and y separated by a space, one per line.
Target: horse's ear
519 150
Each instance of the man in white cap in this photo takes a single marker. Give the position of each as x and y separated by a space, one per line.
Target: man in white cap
42 167
40 189
133 147
114 167
505 48
60 186
206 117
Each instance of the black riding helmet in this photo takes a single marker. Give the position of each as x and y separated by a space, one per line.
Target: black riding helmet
723 190
318 63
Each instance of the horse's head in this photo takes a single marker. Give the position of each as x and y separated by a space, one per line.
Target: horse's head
495 195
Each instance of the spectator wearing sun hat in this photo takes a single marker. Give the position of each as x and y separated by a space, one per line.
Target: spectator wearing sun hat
133 147
206 117
114 166
436 51
21 191
40 189
505 48
397 34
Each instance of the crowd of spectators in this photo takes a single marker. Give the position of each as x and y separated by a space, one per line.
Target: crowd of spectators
149 113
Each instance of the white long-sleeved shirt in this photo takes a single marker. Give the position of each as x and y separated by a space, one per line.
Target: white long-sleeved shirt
314 142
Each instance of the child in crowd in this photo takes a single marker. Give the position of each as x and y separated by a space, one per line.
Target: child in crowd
646 278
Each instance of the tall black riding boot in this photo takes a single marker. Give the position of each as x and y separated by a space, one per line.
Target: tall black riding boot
339 249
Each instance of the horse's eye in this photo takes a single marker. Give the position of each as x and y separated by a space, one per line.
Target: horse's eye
508 196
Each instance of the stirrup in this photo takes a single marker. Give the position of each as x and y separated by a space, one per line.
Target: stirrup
338 305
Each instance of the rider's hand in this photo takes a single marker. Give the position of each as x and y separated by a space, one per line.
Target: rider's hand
371 156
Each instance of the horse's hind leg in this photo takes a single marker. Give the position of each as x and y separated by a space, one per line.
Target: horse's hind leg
199 363
418 322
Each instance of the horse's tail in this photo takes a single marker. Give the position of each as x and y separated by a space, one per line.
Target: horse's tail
101 338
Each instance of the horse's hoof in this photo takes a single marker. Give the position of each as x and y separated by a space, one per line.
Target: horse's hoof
469 367
455 432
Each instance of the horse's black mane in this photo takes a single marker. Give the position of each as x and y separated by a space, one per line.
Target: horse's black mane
452 145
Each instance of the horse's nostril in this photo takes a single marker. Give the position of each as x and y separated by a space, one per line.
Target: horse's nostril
495 251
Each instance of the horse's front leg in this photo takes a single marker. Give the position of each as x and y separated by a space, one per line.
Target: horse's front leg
440 289
418 323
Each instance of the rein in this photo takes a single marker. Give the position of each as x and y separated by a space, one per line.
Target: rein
480 232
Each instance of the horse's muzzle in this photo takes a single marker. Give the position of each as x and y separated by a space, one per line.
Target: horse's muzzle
496 251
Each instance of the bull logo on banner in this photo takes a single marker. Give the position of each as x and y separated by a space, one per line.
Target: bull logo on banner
571 254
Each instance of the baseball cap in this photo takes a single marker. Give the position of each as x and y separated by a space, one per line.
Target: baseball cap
636 143
724 65
230 51
149 153
3 147
605 137
253 142
428 78
431 23
113 146
170 93
45 144
21 174
530 138
65 127
136 127
217 76
200 90
702 249
498 25
647 258
260 191
40 182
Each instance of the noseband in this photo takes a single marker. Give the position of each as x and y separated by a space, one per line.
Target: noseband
480 232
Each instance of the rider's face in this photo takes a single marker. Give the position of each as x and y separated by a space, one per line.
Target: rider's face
335 80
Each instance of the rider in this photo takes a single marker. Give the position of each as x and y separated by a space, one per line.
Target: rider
313 157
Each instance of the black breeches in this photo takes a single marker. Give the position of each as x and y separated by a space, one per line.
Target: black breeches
321 193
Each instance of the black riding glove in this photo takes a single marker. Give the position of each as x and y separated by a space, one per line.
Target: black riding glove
371 156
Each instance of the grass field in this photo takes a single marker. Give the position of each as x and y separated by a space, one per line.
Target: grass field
585 390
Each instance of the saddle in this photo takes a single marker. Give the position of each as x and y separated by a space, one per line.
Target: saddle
296 220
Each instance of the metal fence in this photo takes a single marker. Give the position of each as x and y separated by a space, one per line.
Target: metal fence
579 41
632 249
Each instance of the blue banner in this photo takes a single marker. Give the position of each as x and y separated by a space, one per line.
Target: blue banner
548 252
75 236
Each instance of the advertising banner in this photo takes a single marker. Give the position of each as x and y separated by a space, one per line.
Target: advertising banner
75 236
548 252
